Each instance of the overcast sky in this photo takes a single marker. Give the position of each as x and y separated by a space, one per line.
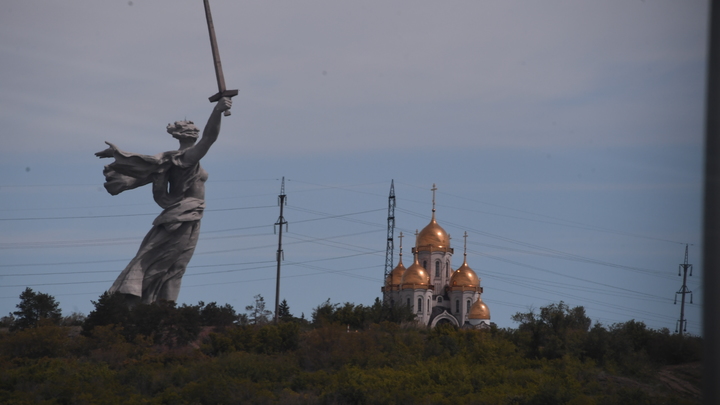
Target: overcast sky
565 137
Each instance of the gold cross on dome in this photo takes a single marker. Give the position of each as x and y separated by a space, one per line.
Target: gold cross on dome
433 189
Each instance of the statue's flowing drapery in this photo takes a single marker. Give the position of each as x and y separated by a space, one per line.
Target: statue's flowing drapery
155 273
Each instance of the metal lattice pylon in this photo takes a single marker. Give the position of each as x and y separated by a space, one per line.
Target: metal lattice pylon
280 255
390 248
681 325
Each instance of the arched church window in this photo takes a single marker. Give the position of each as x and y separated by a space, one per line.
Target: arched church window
408 302
425 264
428 304
468 305
457 305
439 300
419 307
447 266
437 268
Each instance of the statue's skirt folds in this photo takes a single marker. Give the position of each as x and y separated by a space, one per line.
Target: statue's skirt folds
155 273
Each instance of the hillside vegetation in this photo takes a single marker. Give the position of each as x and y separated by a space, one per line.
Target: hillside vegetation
344 354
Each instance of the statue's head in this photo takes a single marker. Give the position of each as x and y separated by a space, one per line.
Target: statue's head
183 130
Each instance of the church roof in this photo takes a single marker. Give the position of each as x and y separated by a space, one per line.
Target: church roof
433 237
479 310
415 276
464 277
396 275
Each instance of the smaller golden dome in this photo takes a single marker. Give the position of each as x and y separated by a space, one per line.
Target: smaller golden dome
415 276
464 277
396 275
479 310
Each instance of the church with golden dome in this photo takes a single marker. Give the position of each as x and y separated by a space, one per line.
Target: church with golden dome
435 292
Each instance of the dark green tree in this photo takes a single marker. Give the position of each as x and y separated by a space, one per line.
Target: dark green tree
284 311
324 313
183 327
360 316
557 330
33 308
289 335
165 322
219 316
110 309
597 344
74 319
351 315
7 321
381 311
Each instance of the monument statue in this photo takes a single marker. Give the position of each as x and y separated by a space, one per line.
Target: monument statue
178 186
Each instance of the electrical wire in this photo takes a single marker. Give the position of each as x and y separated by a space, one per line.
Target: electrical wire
301 238
564 222
124 215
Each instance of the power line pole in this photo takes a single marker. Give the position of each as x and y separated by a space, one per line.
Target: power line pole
390 248
681 325
280 255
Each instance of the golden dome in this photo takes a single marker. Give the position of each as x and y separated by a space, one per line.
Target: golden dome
464 277
416 276
396 275
432 237
479 310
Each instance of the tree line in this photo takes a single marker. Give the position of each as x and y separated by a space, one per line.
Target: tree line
343 354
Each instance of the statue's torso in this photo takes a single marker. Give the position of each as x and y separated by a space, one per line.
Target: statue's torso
190 181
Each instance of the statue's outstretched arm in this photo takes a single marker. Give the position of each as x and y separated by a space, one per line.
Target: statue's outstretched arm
129 170
210 132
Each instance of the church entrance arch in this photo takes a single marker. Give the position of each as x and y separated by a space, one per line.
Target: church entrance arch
444 318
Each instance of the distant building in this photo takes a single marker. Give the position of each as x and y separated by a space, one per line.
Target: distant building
435 292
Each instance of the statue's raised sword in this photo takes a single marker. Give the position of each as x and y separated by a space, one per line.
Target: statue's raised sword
222 92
